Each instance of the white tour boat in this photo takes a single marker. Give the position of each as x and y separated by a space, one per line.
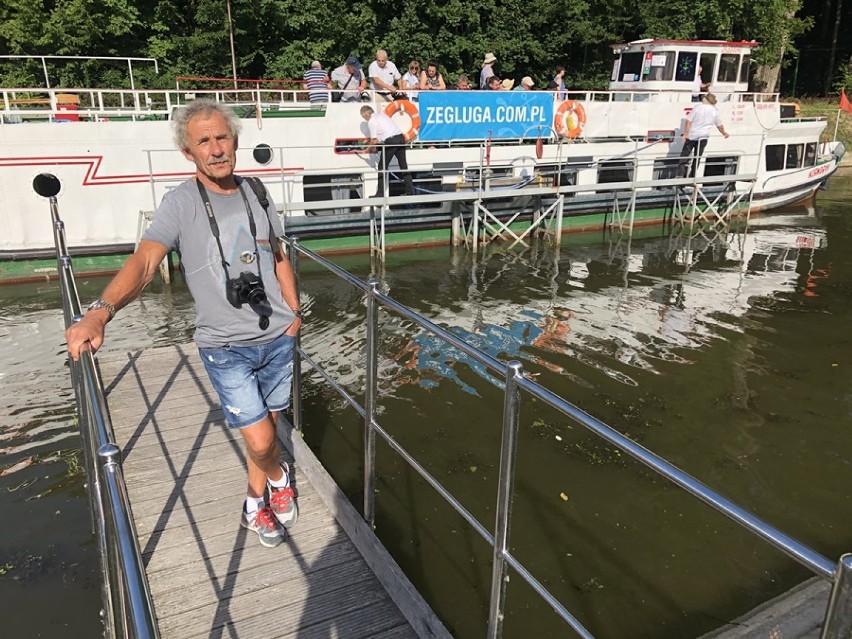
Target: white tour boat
483 161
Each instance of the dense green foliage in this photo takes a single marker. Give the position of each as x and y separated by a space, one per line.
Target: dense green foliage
279 38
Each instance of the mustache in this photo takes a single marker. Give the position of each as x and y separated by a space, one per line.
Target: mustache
214 159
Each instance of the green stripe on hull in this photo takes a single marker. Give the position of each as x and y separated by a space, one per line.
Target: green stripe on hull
580 229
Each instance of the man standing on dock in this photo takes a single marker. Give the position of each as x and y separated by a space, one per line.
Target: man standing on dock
247 307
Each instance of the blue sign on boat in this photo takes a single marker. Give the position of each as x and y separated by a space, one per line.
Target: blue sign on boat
472 115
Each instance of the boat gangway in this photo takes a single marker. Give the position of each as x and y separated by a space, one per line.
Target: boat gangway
479 213
179 566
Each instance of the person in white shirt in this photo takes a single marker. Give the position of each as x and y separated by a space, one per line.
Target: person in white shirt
410 80
383 74
699 124
388 138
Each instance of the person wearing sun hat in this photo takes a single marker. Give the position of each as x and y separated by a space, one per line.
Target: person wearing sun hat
487 70
507 84
526 84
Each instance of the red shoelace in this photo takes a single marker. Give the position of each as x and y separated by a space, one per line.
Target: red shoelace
265 517
281 499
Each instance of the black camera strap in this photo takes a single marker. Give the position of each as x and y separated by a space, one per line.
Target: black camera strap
260 192
214 227
263 322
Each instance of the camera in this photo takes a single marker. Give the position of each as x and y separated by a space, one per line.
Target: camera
247 288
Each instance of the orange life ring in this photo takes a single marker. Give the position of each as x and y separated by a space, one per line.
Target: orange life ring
570 119
410 109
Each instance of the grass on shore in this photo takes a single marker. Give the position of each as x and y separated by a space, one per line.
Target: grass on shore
828 109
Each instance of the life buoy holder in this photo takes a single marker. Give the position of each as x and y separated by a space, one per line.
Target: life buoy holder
410 109
570 119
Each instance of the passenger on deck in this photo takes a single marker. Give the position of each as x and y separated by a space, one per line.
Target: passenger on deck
410 81
696 131
487 70
247 311
493 83
699 86
526 84
388 137
559 81
463 83
350 80
383 77
507 84
316 83
431 79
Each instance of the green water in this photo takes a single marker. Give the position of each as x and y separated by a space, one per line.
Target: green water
728 356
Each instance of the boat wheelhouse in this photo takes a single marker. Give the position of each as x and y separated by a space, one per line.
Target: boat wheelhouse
673 65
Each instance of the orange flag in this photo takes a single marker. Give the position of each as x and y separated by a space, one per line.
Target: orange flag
845 104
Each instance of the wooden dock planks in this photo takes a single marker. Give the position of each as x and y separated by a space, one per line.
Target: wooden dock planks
185 474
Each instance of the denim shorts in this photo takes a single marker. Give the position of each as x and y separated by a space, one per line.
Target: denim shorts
251 381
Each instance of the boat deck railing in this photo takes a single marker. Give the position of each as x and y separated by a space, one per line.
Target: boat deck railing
19 104
517 386
477 177
128 610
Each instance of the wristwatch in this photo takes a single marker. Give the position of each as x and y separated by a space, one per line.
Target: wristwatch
298 313
102 303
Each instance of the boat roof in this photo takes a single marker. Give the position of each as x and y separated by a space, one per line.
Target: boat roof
703 43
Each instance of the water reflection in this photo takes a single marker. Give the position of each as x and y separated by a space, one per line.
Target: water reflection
652 335
630 303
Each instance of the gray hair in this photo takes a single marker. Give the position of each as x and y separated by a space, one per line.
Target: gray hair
204 108
365 110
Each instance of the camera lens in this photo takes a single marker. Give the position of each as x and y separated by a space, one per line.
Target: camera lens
256 296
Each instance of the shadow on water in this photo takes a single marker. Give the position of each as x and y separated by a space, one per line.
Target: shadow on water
725 356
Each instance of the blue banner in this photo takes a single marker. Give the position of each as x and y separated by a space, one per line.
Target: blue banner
472 115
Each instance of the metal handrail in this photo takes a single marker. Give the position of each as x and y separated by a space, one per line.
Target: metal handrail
128 607
838 616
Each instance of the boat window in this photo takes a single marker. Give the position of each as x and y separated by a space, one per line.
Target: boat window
721 165
318 188
349 145
728 67
662 66
774 157
795 154
685 70
615 171
262 154
665 169
563 174
631 66
614 77
708 67
744 68
810 153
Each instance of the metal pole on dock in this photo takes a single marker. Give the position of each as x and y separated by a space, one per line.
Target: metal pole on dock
372 347
506 483
838 616
297 358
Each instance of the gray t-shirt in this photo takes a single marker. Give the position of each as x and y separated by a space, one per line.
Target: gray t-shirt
180 223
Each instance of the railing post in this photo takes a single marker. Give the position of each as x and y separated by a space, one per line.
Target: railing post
506 482
370 403
838 616
297 358
128 583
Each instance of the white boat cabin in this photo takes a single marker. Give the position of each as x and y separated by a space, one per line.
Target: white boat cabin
673 65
